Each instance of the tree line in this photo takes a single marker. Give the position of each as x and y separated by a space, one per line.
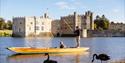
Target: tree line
5 25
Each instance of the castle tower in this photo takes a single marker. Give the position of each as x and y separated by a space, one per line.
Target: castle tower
77 20
90 22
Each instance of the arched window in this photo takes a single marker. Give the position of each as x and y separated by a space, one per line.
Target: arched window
42 28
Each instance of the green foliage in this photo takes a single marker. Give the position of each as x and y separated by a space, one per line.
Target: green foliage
9 25
5 33
95 26
101 23
4 25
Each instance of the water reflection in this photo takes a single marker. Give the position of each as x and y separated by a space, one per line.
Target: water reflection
39 58
119 61
78 58
25 59
114 47
38 42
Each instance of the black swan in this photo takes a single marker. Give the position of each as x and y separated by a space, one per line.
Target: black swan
102 57
48 60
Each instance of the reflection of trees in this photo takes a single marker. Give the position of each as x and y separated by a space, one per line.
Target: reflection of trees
36 58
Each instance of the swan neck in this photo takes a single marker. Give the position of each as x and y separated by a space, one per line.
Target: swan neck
48 57
94 55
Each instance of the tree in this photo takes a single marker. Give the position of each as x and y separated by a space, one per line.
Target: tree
101 22
95 26
9 25
2 23
105 22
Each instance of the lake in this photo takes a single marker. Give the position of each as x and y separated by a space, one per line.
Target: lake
112 46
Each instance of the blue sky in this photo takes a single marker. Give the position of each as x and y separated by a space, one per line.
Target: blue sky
114 10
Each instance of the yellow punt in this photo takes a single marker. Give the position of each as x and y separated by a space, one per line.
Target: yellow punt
30 50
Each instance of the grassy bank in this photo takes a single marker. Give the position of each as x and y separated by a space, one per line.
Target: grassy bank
5 33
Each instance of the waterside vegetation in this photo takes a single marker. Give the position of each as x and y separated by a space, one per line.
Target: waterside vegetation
5 33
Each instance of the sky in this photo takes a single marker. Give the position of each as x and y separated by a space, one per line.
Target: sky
114 10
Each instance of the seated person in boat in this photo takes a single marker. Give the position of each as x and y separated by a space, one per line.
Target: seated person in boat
62 45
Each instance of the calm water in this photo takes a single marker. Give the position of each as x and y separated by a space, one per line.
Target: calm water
114 47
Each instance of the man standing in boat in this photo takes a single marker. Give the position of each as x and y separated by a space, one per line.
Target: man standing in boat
77 36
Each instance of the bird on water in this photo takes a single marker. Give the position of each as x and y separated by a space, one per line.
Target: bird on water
102 57
48 60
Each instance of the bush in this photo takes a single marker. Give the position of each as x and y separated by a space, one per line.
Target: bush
5 33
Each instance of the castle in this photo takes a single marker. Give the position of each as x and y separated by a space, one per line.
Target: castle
32 26
69 23
45 26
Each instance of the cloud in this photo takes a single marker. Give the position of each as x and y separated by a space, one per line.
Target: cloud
71 5
67 5
115 10
62 5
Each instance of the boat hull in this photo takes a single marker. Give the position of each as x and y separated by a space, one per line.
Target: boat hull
30 50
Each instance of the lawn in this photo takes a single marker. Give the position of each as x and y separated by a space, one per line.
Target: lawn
4 33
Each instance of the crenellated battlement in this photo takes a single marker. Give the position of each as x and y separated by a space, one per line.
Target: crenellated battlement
19 17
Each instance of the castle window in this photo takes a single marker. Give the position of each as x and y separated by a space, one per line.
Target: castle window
42 23
29 28
14 27
19 30
65 28
20 23
42 28
37 28
31 22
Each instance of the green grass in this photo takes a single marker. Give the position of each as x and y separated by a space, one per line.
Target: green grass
5 33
